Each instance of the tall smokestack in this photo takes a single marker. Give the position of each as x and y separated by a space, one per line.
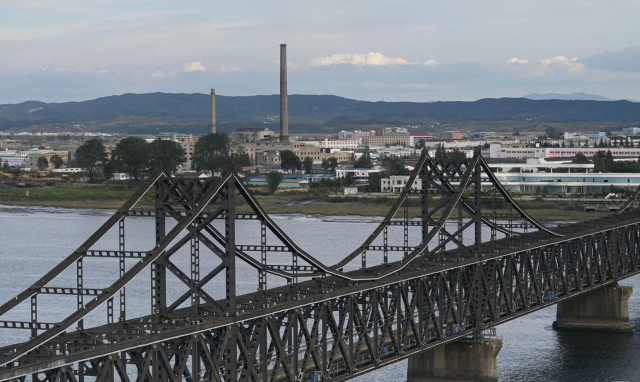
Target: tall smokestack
213 111
284 99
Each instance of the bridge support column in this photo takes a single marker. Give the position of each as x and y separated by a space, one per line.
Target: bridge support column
461 361
604 310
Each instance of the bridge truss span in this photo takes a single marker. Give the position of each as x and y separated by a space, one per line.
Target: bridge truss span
476 259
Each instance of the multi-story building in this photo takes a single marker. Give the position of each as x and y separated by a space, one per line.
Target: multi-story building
356 134
342 144
31 161
390 139
449 135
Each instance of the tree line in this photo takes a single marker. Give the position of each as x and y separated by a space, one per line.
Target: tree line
136 157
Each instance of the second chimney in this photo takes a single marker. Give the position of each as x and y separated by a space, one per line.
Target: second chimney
213 111
284 99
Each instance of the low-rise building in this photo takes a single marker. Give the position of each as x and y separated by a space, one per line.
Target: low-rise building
497 151
397 183
356 173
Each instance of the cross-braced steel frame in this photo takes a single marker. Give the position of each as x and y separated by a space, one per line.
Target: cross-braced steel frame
480 260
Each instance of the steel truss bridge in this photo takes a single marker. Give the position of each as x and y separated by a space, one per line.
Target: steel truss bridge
480 260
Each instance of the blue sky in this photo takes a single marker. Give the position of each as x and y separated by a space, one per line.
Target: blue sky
403 50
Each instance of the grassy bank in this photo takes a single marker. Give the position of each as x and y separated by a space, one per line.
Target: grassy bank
108 197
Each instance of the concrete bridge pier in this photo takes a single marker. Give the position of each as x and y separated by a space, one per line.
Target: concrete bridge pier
603 310
471 360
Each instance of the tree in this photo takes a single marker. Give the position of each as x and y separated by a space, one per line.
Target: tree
374 182
90 155
325 164
580 158
393 165
42 163
307 165
6 166
132 156
169 153
57 161
348 180
552 133
333 164
108 169
365 160
289 161
211 152
274 178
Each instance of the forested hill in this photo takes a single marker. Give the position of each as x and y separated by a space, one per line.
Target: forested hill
309 112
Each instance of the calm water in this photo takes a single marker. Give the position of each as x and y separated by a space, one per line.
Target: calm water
35 239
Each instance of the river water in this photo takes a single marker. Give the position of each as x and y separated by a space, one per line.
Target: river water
33 240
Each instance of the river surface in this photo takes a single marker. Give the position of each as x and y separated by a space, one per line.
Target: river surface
33 240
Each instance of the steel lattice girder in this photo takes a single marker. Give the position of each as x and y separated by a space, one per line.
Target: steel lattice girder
339 325
350 334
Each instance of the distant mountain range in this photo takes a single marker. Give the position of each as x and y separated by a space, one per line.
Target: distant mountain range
568 97
147 113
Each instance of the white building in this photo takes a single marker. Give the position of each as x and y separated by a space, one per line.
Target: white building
342 144
121 176
497 151
396 183
356 173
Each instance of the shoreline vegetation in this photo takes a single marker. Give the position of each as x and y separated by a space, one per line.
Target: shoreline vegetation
100 197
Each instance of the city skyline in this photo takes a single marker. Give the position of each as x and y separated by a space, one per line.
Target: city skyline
68 50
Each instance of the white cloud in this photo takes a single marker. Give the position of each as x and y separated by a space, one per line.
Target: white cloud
564 62
229 68
430 62
194 67
173 72
157 74
516 60
361 59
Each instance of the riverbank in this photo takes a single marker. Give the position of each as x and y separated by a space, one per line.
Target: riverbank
101 197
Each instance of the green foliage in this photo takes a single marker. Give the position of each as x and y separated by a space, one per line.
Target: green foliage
374 182
552 133
289 161
330 164
307 165
5 166
42 163
90 155
215 151
169 153
132 155
57 161
274 178
455 155
348 180
580 158
393 165
365 160
211 152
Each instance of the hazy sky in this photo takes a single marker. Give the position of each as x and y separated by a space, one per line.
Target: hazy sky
410 50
